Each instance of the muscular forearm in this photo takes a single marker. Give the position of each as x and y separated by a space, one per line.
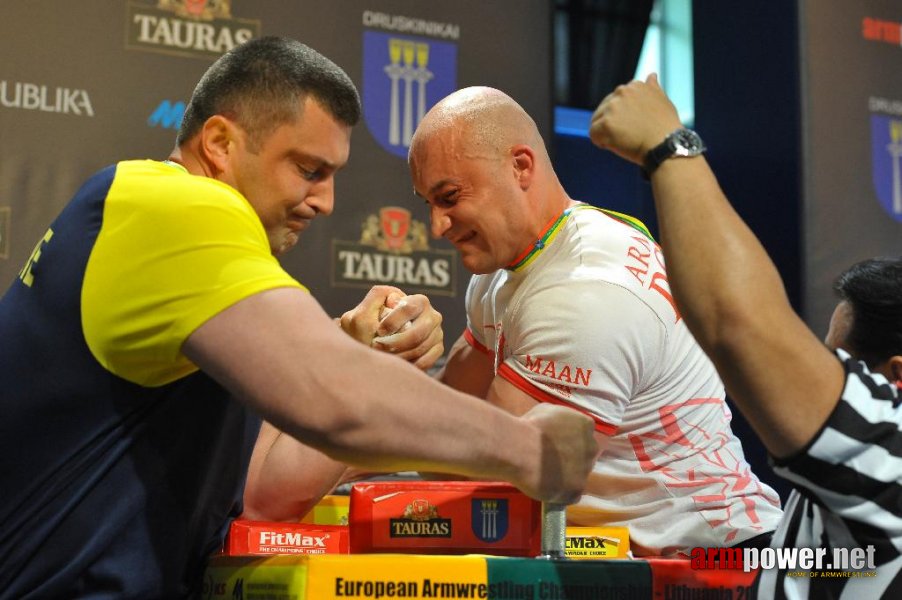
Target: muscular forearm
717 269
447 430
729 292
287 478
279 352
467 369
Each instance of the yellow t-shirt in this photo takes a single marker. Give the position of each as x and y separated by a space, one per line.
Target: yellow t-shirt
174 249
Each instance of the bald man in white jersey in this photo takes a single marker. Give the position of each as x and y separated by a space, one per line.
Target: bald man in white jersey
570 305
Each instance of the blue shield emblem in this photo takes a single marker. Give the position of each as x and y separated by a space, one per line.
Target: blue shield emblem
489 518
403 77
886 158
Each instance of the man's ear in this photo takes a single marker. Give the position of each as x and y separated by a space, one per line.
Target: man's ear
891 368
894 368
524 160
216 137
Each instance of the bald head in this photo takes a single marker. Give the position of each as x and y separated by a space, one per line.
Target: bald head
479 162
479 122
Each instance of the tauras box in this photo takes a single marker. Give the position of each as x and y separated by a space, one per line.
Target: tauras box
447 517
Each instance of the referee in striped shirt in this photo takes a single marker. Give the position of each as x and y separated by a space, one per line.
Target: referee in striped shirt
829 416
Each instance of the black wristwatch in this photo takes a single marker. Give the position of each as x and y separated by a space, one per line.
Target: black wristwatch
682 142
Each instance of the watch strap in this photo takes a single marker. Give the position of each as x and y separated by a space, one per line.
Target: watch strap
682 142
657 155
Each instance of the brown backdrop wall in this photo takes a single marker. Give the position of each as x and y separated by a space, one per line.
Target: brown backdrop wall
85 84
852 136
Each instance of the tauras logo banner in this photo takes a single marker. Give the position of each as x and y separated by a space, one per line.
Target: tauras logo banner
393 249
202 28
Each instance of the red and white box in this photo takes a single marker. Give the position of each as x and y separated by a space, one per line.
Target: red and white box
265 538
444 517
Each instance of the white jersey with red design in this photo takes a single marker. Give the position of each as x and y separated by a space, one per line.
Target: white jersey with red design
587 321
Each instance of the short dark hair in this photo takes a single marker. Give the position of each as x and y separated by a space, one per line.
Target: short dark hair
258 84
873 288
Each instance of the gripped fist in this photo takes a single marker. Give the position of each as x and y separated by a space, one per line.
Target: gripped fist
411 329
633 119
362 321
569 452
389 320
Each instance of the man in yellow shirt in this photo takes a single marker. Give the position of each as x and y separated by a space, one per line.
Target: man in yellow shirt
153 327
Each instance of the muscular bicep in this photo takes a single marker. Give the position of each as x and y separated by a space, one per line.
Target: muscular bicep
785 381
259 349
262 349
505 395
597 349
469 369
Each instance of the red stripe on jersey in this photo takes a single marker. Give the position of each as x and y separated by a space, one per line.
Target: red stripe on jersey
524 385
471 339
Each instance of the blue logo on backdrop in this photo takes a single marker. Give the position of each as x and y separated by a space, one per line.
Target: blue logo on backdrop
403 77
167 115
886 155
489 518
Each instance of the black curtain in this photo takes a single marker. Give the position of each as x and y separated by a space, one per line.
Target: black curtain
597 47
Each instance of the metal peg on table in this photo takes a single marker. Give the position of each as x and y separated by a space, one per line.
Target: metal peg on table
554 530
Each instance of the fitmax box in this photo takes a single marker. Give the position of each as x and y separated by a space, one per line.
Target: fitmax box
444 517
264 537
591 543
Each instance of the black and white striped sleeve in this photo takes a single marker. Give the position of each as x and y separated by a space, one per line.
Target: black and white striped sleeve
853 467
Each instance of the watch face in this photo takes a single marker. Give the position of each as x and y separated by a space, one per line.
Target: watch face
687 143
